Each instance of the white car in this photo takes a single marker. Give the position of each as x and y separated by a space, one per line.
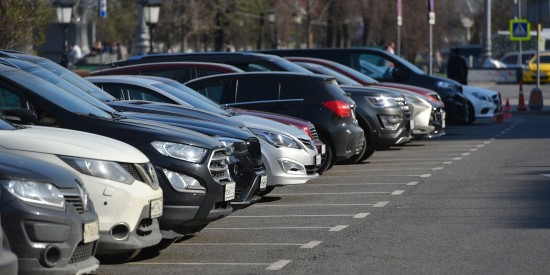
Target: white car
119 179
423 114
485 103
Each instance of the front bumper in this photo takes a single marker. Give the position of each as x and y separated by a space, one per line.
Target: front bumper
34 236
277 176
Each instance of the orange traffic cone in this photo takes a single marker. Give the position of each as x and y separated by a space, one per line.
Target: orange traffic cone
498 118
507 113
521 100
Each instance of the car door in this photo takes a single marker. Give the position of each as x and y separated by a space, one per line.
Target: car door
268 96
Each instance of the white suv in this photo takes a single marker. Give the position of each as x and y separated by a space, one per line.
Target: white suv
119 179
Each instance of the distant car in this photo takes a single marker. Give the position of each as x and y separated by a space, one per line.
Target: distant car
484 102
48 220
316 98
512 59
530 74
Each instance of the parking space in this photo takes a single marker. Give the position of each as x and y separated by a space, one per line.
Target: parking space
295 221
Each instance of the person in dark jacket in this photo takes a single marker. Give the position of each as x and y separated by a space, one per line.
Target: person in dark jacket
457 68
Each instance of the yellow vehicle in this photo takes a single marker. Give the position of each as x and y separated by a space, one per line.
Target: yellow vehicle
530 74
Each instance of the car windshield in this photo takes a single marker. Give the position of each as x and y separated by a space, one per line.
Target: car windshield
57 95
192 97
408 64
356 74
78 81
545 59
340 78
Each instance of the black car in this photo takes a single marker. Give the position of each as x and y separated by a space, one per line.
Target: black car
387 67
245 162
8 260
316 98
49 222
192 167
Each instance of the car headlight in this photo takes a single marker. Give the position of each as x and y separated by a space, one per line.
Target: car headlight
276 139
33 192
232 145
382 101
180 151
445 85
100 168
481 97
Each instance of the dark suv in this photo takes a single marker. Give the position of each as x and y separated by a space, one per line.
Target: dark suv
384 66
316 98
49 222
192 167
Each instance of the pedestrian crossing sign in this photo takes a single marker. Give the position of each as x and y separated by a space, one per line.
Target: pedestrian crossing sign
520 30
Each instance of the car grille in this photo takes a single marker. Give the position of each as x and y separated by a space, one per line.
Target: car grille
310 169
218 166
254 150
308 143
76 202
83 252
140 172
145 227
313 132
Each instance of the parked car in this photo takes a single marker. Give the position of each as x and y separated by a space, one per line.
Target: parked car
530 73
383 114
484 102
246 170
185 71
421 113
315 98
191 167
8 260
48 221
119 178
513 60
387 67
290 162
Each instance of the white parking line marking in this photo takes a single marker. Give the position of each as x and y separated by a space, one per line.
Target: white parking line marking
361 215
381 204
314 205
545 175
473 149
492 139
338 228
426 175
180 263
480 145
412 183
457 158
278 265
311 244
465 154
503 132
437 168
287 216
262 228
448 162
398 192
342 193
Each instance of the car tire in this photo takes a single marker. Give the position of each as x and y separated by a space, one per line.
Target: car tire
328 159
267 190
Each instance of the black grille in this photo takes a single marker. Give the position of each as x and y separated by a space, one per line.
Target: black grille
308 143
254 149
131 168
75 201
144 227
310 169
218 166
313 132
82 252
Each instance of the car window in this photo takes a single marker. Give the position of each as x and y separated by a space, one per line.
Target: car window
288 93
249 90
131 92
217 90
9 100
203 72
511 59
545 59
180 75
256 68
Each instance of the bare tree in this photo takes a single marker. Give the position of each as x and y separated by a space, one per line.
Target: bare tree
22 23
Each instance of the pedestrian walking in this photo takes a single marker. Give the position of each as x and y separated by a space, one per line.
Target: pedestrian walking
457 68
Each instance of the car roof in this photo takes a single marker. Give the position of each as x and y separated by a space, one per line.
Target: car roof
171 65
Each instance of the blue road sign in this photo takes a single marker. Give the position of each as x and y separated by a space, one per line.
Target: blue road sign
520 30
102 8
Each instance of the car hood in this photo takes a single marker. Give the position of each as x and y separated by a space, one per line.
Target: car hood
268 124
474 89
50 140
14 167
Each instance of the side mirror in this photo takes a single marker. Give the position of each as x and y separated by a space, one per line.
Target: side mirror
20 116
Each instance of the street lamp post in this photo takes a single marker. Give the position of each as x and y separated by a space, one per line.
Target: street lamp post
273 35
298 22
64 10
151 10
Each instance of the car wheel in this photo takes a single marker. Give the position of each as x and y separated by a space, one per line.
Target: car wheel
328 160
119 257
471 113
267 190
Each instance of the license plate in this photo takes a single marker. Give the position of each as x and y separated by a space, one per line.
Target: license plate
318 160
229 191
91 231
156 208
263 182
443 115
412 124
323 149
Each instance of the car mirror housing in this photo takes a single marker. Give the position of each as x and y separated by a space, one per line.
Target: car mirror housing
20 116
